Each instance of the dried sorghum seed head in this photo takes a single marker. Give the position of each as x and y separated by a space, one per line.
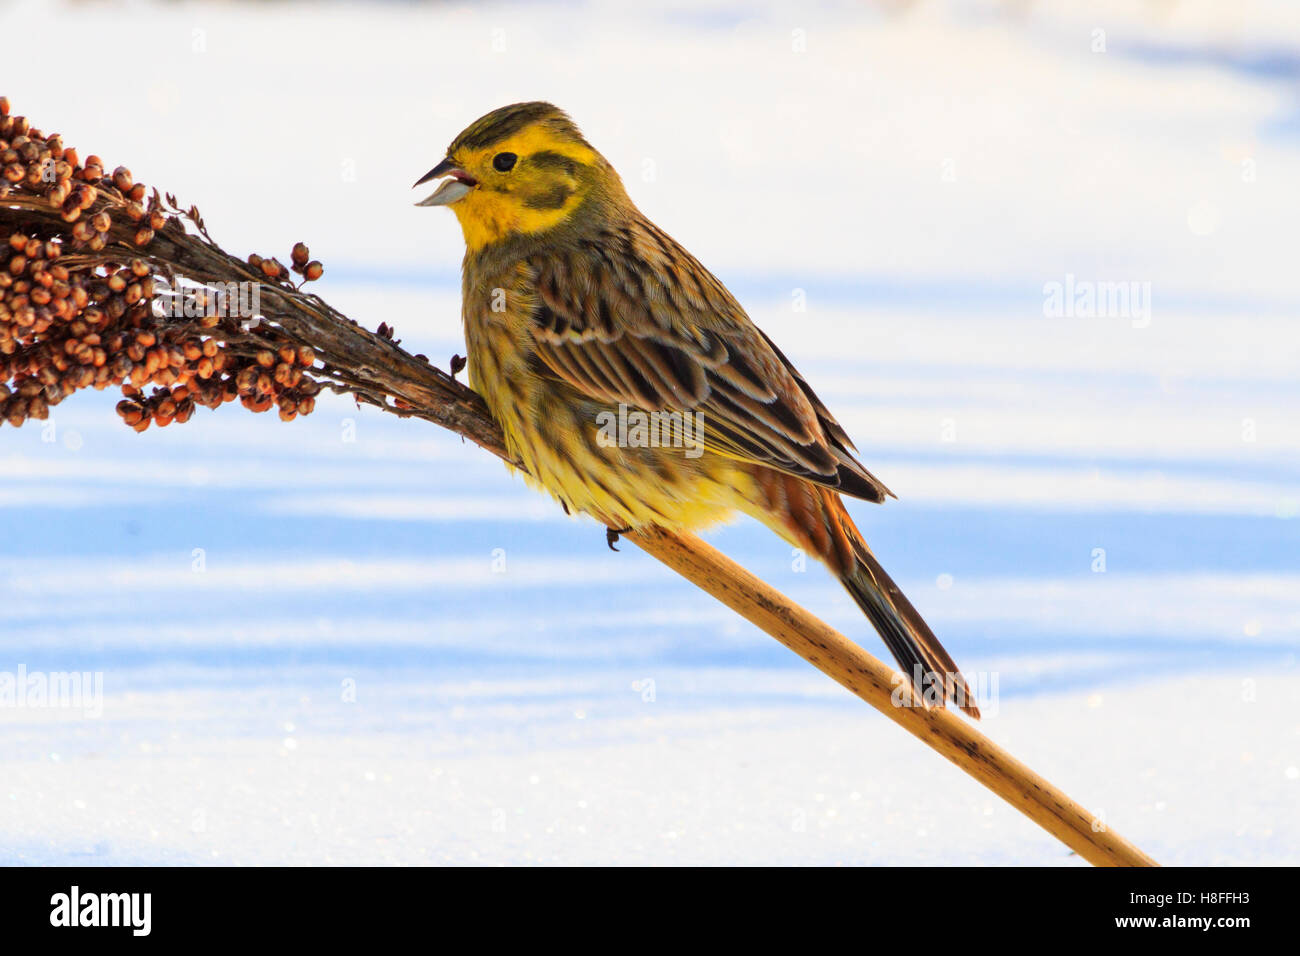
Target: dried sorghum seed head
65 327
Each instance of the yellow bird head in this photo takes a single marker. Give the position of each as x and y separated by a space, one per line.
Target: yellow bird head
521 170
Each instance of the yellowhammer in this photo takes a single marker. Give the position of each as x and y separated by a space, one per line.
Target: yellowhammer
631 384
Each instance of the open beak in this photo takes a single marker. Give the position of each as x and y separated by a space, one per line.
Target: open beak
455 187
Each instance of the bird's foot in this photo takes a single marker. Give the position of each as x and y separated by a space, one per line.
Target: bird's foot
611 535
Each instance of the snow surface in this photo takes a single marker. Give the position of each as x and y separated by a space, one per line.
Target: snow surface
357 640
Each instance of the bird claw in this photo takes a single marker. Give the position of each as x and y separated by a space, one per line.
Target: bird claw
611 535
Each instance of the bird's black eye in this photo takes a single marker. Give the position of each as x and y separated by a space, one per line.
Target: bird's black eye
504 162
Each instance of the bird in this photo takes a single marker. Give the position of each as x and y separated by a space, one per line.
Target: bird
631 385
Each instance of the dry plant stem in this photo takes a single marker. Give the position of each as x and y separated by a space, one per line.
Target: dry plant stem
942 730
376 370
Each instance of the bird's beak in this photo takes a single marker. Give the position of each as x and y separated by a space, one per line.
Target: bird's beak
454 188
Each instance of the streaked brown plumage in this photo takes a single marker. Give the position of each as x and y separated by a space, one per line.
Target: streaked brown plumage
576 307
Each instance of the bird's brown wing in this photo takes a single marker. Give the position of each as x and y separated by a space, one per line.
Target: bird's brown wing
629 316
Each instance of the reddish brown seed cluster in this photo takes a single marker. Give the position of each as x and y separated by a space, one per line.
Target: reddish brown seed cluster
274 269
78 292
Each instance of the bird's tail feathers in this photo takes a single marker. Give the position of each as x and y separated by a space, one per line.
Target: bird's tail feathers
933 672
814 518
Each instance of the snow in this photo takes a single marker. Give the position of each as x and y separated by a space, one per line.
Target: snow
725 765
357 640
